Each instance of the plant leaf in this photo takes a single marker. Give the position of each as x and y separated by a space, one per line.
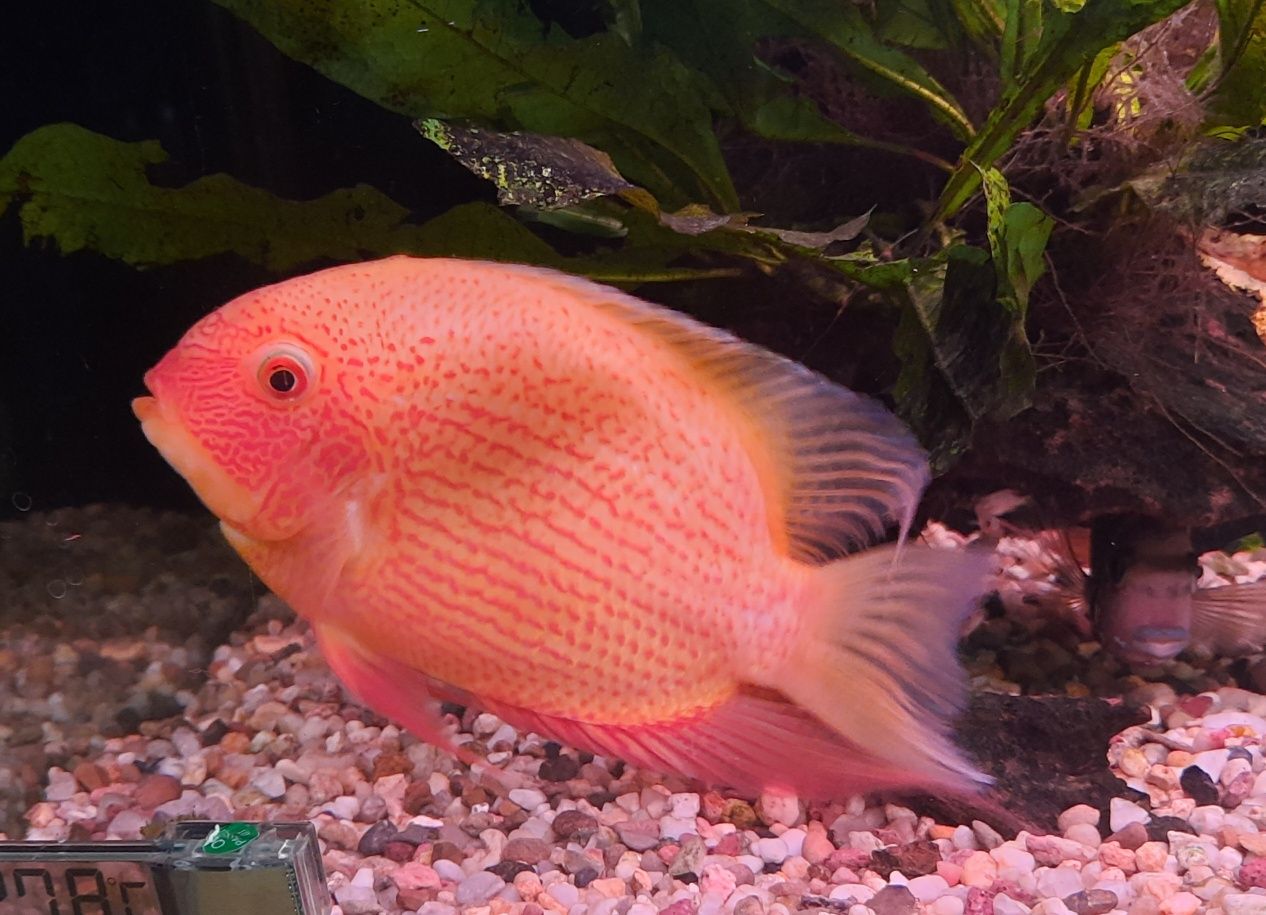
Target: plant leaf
85 191
1068 41
529 169
958 347
493 63
1240 98
844 27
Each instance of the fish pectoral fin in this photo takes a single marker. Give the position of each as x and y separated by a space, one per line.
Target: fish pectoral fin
877 661
1230 618
393 689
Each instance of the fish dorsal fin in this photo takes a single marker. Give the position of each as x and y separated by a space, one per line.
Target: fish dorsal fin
845 467
1231 618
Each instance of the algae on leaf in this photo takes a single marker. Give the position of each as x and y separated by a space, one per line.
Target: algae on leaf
491 62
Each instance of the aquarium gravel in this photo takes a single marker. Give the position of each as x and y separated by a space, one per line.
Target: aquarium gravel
258 728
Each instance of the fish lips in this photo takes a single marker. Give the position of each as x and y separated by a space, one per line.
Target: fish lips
1153 644
232 502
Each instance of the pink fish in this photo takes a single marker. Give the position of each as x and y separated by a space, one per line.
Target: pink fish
594 517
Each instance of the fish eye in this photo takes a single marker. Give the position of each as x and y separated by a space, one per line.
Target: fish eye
285 373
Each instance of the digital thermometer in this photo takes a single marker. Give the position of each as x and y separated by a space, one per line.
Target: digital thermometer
196 868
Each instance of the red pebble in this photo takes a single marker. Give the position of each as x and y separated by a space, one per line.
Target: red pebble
729 845
852 858
1253 872
1195 706
680 907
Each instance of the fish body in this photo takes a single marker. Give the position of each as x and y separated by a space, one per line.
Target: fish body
593 516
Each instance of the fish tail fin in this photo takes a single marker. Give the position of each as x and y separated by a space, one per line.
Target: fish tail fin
1231 618
877 661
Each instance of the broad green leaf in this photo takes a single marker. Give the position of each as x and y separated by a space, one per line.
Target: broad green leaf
90 192
1068 41
958 348
85 191
491 62
1025 231
1240 98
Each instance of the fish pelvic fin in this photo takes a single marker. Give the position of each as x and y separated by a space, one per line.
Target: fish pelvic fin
877 658
1230 619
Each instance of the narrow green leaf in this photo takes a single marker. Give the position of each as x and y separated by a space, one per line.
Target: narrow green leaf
1068 41
1240 95
844 27
492 62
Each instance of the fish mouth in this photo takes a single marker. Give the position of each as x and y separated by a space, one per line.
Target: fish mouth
1154 643
229 500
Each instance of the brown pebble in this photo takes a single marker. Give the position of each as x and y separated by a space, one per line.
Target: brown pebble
389 763
235 742
91 776
446 851
572 824
398 851
156 789
893 900
740 813
416 796
527 850
475 795
1091 902
1131 836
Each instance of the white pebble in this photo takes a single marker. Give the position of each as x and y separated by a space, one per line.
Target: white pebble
1121 813
794 839
684 806
1084 833
947 905
963 838
449 870
771 851
779 808
1005 905
527 798
1058 881
857 891
270 783
1081 813
1243 904
927 887
1212 762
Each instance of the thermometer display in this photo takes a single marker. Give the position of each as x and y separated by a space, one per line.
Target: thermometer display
196 868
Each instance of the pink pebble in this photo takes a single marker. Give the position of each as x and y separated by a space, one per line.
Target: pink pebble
951 873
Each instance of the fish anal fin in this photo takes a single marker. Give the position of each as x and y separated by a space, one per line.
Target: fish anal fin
843 466
754 741
1231 618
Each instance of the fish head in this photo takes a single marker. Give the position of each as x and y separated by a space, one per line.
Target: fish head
1146 616
250 408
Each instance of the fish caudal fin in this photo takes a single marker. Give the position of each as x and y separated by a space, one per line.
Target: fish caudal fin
1231 618
877 662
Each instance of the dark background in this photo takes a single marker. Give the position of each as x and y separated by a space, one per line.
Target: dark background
78 332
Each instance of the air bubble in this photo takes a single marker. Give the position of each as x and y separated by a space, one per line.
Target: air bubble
56 589
21 501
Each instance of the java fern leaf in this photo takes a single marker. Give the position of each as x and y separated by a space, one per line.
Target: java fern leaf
493 63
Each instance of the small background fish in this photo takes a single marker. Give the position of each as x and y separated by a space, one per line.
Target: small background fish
1135 583
594 517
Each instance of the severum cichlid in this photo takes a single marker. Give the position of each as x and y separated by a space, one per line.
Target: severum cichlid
592 516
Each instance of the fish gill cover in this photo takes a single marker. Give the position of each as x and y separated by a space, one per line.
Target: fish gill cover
961 179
